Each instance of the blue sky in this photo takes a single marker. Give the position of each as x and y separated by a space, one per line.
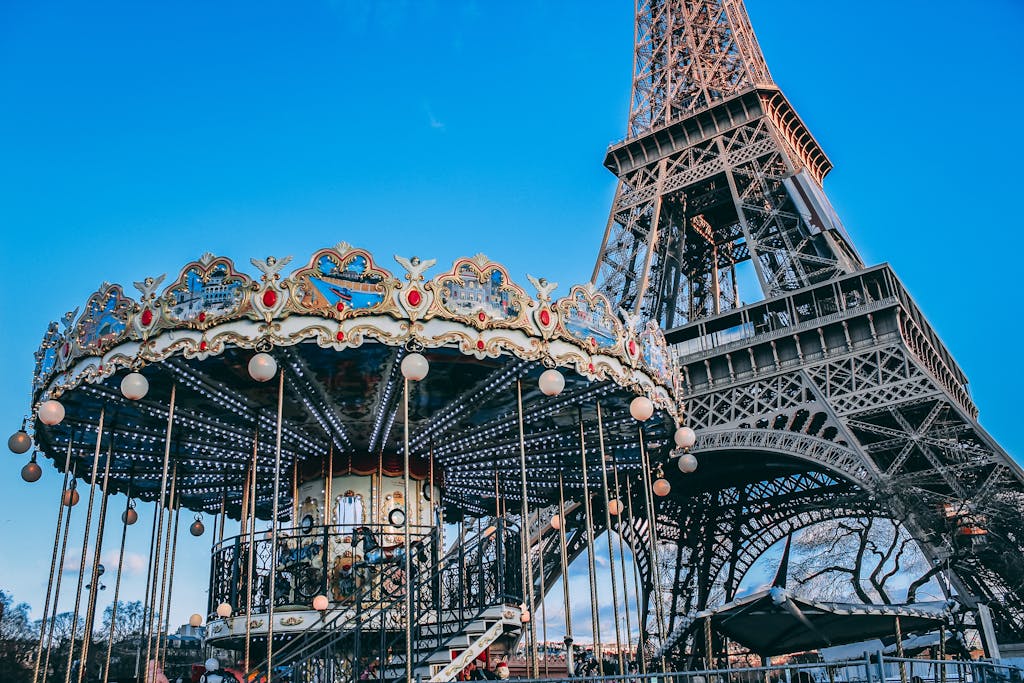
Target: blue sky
136 136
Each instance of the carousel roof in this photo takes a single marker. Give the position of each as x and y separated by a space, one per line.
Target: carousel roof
338 328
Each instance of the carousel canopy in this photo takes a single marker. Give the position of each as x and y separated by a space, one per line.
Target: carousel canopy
338 328
777 621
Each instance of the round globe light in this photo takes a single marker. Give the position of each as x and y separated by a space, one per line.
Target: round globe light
687 463
551 382
70 497
134 386
415 367
51 412
223 610
100 570
556 522
212 664
661 487
130 516
195 621
641 408
197 528
685 437
262 367
19 442
31 471
320 603
614 506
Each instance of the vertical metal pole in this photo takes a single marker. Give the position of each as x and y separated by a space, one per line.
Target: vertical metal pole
159 529
636 585
56 590
942 653
161 612
591 571
250 524
543 610
708 654
328 508
526 528
85 545
622 560
569 666
899 651
273 527
90 609
408 521
146 614
645 473
117 584
53 561
608 532
170 580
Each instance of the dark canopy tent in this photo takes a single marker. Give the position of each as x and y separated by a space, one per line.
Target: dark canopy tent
777 621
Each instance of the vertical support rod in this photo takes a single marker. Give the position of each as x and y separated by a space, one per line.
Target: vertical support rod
899 651
90 609
526 528
636 585
608 532
250 530
170 580
53 561
85 545
406 540
161 611
569 665
622 559
117 583
273 525
652 523
159 529
591 571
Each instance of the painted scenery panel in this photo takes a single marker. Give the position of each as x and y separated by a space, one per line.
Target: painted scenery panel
590 321
464 294
218 294
353 285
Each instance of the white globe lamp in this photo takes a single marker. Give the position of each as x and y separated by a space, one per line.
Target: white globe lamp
685 437
320 603
262 367
415 367
661 487
134 386
195 621
51 412
687 463
223 610
641 408
551 382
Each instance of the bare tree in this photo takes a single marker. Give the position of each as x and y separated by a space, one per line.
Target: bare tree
17 640
860 559
129 622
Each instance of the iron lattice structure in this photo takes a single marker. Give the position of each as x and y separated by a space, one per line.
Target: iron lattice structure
831 397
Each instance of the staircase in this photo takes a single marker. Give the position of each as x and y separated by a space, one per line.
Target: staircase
463 602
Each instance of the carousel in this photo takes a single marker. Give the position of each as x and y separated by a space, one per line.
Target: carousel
391 468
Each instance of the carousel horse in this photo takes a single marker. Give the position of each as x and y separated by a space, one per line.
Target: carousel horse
290 556
376 554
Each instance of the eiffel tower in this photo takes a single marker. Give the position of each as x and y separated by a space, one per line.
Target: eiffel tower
830 397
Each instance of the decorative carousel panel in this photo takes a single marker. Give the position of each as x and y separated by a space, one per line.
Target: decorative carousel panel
104 321
479 292
587 317
46 356
341 282
656 355
207 291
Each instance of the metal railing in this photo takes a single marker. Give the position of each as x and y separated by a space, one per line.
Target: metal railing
872 668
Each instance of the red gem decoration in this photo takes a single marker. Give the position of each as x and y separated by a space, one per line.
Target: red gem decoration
340 306
269 298
202 346
480 344
340 335
590 368
632 347
202 316
481 316
414 298
147 317
545 317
